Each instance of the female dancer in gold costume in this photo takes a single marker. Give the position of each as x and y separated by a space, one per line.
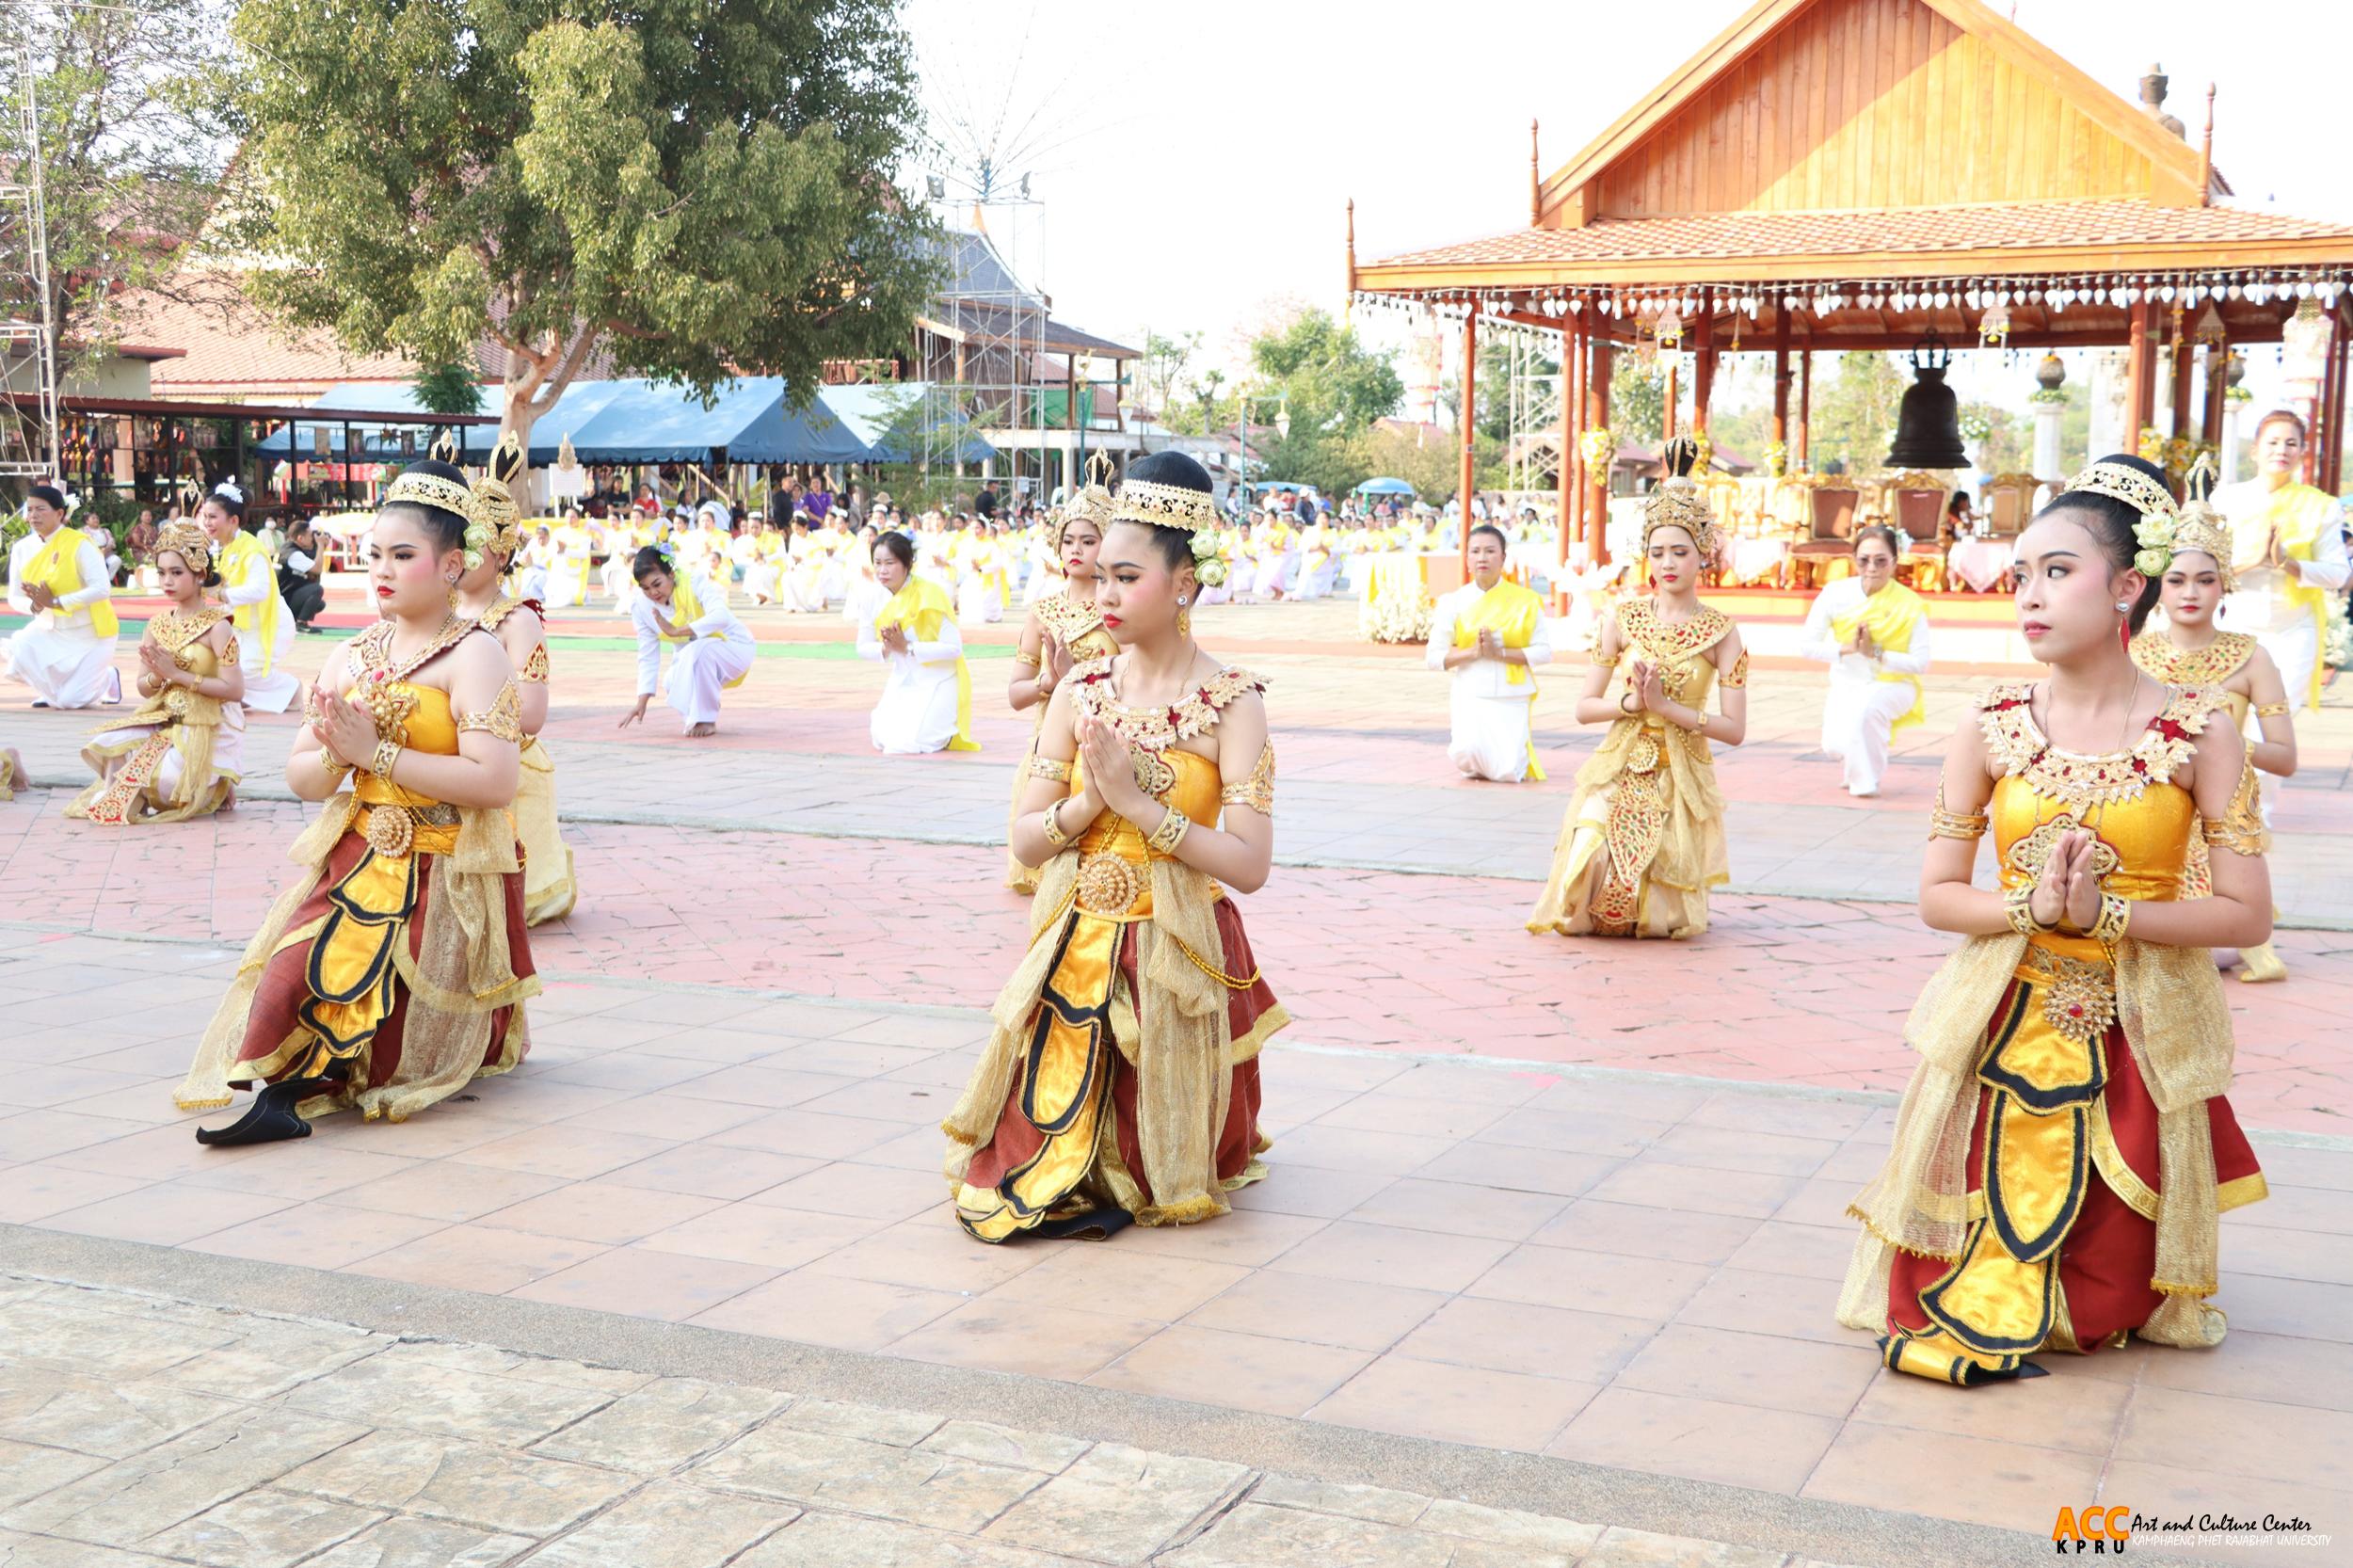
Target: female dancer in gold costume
2064 1146
1121 1080
178 756
549 890
2232 667
1064 629
1643 836
391 972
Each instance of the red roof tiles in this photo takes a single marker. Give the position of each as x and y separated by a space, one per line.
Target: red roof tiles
2091 226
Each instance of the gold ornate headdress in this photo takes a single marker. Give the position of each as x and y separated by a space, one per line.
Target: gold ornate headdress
188 539
1092 501
2159 525
487 504
1677 503
2201 528
1163 505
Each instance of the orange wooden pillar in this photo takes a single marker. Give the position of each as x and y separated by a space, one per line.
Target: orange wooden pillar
1572 429
2184 362
1470 426
1780 382
1703 370
2140 374
1805 409
1674 395
1598 476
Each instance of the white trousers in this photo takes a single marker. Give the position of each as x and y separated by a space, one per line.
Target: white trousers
1492 736
699 672
618 581
1857 719
65 668
918 710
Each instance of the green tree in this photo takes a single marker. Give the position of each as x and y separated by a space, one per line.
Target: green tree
1638 401
448 389
2008 445
132 136
1854 416
691 185
1161 371
1332 381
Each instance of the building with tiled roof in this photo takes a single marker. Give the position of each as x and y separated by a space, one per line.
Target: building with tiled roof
1862 174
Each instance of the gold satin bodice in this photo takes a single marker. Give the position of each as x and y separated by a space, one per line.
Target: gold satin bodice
1195 794
2147 836
429 728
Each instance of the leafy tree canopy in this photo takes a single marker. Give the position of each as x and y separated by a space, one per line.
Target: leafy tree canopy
694 187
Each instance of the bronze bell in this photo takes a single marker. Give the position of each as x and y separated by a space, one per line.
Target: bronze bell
1928 423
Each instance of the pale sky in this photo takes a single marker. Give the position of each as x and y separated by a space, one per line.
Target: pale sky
1208 152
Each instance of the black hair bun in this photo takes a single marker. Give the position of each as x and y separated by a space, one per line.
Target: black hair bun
1174 469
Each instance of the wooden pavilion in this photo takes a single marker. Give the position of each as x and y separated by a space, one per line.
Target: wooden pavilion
1858 174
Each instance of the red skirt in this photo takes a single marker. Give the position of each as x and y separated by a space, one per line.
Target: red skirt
278 1035
2110 1251
1018 1140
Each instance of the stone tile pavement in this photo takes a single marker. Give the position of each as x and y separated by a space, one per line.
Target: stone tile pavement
1797 989
143 1429
1629 1271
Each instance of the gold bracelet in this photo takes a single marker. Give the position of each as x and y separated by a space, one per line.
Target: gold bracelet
2018 904
1054 834
1028 659
1171 833
387 753
1051 768
336 767
2271 709
2115 913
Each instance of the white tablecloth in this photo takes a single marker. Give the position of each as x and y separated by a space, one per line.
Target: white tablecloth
1981 563
1753 560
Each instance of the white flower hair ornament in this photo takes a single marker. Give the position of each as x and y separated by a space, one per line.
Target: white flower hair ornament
230 488
2154 533
1208 567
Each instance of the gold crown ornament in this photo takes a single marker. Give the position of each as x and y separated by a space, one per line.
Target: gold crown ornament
1676 502
493 507
188 539
2159 522
2201 527
1090 501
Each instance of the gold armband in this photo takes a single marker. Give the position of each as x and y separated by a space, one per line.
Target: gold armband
536 666
1954 825
1165 837
504 718
1051 768
1739 676
1054 834
2271 709
2115 913
1029 659
2018 904
1258 790
2238 837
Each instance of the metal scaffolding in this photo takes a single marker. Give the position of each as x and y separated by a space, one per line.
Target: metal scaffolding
29 427
984 357
1532 451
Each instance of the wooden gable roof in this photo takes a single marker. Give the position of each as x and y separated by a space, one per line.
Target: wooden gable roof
1824 106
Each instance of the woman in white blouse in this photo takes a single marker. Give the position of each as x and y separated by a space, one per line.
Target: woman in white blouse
927 703
714 650
1873 634
1489 635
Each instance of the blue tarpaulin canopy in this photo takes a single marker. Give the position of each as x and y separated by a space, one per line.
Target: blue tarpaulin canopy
1385 487
750 422
609 422
888 416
